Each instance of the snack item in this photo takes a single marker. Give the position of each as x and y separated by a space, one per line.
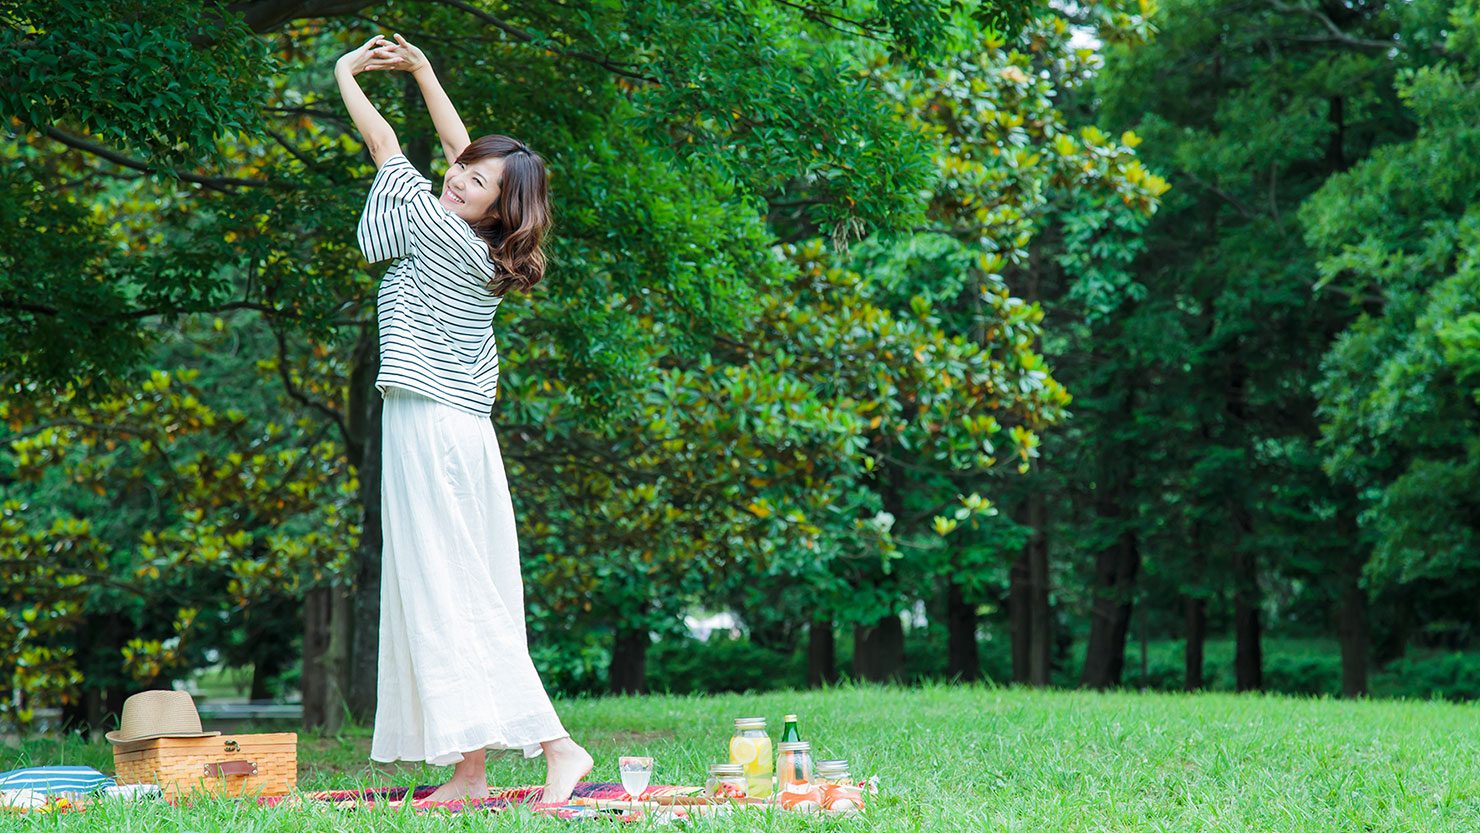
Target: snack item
842 798
801 797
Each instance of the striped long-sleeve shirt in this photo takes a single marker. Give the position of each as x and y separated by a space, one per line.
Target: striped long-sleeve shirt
434 309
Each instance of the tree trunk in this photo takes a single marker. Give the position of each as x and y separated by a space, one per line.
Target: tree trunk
1040 641
1197 634
313 679
963 660
1145 630
98 703
1195 603
1352 632
878 650
365 446
1020 616
1116 568
822 654
268 660
628 671
1248 660
1110 614
336 662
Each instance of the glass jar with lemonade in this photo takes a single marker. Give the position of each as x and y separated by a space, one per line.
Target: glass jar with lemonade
750 747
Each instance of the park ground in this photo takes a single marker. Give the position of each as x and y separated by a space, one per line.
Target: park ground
967 758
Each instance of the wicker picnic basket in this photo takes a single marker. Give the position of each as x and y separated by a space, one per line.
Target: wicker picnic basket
228 765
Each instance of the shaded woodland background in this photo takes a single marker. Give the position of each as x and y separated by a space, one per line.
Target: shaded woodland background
1113 344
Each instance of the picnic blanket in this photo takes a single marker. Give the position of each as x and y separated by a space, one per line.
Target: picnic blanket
57 793
589 799
582 803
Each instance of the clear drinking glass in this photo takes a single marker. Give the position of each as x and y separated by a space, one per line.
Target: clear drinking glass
636 774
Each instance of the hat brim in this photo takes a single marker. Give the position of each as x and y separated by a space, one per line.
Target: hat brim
115 737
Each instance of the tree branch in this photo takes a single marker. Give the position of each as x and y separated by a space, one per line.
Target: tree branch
219 183
282 345
288 146
1243 209
822 17
521 35
1337 35
29 306
263 15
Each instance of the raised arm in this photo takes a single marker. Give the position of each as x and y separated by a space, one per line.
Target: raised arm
379 138
449 125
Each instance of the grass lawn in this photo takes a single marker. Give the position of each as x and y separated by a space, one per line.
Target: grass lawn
951 758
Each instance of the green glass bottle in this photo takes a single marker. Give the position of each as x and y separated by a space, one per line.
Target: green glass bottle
789 733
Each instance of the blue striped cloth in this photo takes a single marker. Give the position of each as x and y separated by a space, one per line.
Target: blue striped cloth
50 779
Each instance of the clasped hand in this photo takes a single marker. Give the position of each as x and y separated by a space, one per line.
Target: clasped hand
379 53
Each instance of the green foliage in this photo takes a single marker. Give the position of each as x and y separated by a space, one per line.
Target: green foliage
703 395
1202 402
140 506
720 663
1451 675
1399 235
163 79
704 403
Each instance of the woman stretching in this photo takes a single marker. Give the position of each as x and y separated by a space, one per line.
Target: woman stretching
455 678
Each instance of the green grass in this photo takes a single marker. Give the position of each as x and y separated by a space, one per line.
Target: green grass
955 758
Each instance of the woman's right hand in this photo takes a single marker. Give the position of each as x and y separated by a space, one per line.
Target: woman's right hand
405 56
375 54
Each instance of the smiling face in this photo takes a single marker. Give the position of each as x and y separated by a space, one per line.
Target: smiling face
469 189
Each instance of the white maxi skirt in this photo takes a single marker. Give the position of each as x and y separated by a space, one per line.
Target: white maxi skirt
455 674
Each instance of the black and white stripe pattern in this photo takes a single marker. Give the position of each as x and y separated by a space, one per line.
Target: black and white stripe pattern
434 308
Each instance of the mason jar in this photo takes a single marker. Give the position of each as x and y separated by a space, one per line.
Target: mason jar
726 781
833 771
750 747
793 763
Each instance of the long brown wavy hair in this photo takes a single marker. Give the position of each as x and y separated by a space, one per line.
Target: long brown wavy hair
519 218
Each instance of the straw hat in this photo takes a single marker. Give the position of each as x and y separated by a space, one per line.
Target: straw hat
160 713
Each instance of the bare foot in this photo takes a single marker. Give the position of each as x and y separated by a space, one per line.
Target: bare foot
458 788
565 763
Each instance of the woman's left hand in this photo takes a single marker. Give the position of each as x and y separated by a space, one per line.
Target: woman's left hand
403 56
375 54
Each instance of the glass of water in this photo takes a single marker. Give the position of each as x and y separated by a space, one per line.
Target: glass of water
636 773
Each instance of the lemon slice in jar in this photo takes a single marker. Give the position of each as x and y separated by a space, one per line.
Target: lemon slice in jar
742 750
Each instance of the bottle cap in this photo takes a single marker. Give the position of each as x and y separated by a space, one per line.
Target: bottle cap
727 769
840 764
795 746
791 718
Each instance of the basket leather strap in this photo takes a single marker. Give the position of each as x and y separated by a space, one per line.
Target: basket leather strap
220 769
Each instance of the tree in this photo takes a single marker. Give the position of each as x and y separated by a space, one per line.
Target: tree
1249 111
664 128
1394 236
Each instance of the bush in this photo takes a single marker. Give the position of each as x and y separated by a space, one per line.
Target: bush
1451 676
687 665
569 667
1303 673
684 665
